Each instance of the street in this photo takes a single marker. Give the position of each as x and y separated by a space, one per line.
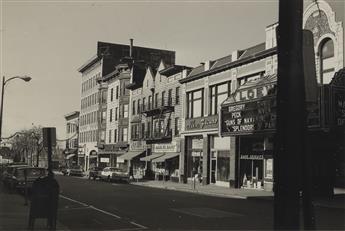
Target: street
96 205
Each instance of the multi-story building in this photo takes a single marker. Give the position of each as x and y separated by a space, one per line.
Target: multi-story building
236 149
155 120
116 106
72 143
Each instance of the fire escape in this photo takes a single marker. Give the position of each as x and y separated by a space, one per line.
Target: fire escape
159 114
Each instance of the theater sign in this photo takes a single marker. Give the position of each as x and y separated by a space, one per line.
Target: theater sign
251 109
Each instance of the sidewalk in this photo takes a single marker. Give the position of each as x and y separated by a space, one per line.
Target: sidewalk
14 215
212 190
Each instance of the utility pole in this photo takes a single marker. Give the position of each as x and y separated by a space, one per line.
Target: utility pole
289 143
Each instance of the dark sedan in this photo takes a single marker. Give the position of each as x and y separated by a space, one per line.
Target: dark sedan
18 180
95 173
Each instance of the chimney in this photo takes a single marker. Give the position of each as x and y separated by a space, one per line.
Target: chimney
131 47
234 55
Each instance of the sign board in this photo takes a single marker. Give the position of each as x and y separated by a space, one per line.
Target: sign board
202 123
49 136
251 157
167 147
197 144
249 117
104 160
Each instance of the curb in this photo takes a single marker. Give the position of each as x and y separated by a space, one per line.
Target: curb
195 191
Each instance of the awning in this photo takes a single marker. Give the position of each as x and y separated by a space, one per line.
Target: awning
92 156
165 157
152 156
130 155
69 156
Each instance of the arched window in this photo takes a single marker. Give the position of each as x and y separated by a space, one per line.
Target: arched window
327 61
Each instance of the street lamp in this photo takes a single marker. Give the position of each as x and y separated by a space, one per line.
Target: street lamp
4 81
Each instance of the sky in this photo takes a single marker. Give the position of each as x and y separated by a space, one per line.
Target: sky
50 40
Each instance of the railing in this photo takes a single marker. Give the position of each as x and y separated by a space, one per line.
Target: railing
157 135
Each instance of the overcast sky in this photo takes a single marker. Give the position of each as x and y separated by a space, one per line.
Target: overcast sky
50 40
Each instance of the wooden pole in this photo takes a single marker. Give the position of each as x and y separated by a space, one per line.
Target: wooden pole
289 143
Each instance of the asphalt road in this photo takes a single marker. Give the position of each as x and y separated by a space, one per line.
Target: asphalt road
96 205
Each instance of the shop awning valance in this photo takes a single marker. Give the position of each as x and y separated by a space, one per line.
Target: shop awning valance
166 157
151 157
69 156
130 155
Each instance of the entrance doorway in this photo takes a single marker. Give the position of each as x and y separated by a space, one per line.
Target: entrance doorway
213 167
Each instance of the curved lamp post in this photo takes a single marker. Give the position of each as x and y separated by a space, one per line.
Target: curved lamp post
4 81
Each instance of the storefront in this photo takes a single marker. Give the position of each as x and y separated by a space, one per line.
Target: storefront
250 115
207 157
164 160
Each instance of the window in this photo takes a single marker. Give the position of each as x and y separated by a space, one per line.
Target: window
124 135
125 111
163 96
142 130
109 136
177 128
170 97
149 101
144 101
177 96
218 94
133 107
115 135
111 115
138 111
111 94
195 103
117 92
156 100
327 67
116 113
104 96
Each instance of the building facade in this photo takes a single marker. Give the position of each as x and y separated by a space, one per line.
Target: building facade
236 148
115 110
72 140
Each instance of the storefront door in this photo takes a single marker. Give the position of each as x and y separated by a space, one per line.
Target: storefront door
213 167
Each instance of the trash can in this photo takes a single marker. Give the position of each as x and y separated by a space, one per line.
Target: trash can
44 201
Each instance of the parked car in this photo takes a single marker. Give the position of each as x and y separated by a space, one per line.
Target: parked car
75 171
32 173
95 173
114 174
8 173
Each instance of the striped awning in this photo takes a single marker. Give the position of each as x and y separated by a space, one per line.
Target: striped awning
166 157
151 157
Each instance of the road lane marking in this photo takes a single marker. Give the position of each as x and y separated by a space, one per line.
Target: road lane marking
75 201
140 226
105 212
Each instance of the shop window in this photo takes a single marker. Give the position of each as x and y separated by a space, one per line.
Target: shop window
218 94
195 103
